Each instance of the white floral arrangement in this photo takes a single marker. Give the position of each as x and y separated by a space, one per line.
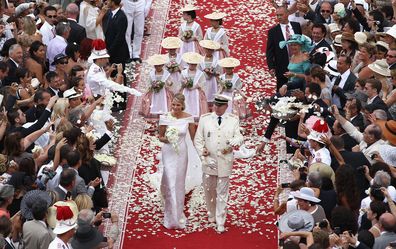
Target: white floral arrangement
110 98
286 108
37 149
172 134
106 159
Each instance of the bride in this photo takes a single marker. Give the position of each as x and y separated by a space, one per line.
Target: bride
176 131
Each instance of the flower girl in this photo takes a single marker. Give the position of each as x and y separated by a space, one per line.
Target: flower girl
190 31
174 66
193 80
230 85
158 98
218 34
211 69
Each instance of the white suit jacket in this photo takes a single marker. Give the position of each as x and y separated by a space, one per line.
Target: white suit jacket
215 138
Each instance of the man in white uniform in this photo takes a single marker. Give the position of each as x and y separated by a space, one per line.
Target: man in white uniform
217 132
134 10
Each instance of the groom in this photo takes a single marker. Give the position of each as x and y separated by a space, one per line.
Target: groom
217 132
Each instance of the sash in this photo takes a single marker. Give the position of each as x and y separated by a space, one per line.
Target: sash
217 36
194 27
214 63
234 79
164 76
197 76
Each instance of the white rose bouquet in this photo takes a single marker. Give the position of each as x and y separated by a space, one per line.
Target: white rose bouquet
172 134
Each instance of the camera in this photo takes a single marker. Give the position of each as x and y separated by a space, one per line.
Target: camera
49 173
285 185
106 215
337 230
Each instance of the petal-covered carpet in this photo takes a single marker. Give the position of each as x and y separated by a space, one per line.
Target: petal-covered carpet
250 220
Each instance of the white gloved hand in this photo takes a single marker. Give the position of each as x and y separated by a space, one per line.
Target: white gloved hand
234 142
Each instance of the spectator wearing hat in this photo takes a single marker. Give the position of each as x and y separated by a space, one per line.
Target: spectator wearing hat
48 28
388 130
77 32
320 154
59 43
61 64
36 233
88 237
307 201
343 83
65 215
349 45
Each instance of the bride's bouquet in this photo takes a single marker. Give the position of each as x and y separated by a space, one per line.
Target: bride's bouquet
172 134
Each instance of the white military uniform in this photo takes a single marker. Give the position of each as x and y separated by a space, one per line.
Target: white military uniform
57 243
98 82
134 10
217 167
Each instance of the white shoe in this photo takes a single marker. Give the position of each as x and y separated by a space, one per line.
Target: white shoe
220 229
211 219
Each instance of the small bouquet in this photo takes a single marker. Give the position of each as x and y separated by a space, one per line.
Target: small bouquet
172 67
188 34
210 71
106 159
226 84
157 85
172 134
187 83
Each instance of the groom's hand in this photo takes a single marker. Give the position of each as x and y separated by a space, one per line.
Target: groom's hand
205 152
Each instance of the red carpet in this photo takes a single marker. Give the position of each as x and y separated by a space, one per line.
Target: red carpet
250 218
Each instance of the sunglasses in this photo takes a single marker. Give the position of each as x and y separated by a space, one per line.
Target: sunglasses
391 56
52 16
62 62
325 11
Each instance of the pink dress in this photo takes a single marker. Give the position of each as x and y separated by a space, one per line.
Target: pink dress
156 103
221 37
191 46
196 104
211 81
239 106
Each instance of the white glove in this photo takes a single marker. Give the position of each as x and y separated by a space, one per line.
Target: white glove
234 142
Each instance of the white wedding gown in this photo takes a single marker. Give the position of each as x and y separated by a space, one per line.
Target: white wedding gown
182 172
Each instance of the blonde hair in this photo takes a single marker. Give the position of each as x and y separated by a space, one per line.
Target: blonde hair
60 107
63 125
181 99
29 27
83 201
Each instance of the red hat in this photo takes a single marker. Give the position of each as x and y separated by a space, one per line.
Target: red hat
98 50
319 129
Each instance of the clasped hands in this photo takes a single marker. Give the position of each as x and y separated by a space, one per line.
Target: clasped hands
225 151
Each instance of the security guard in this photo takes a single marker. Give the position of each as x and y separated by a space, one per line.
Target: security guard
216 134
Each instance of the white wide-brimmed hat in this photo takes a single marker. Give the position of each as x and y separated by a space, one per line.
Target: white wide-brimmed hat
99 50
333 27
360 37
209 44
296 220
192 58
331 68
330 55
306 194
380 67
392 31
382 44
158 59
71 94
63 216
363 3
337 40
216 15
188 7
171 43
229 62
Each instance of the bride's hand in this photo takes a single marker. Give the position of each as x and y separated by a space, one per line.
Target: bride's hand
205 152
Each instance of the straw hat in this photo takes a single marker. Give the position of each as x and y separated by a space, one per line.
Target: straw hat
171 43
229 62
380 67
209 44
215 15
333 27
382 44
59 223
158 59
388 130
188 7
360 37
192 58
348 37
392 31
337 41
30 198
306 194
71 94
296 220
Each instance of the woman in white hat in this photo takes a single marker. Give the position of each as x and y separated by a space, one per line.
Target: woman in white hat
175 64
193 80
190 31
381 72
230 85
211 69
158 98
218 34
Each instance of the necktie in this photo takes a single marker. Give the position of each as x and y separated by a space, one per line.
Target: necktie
219 120
287 34
68 195
53 31
338 80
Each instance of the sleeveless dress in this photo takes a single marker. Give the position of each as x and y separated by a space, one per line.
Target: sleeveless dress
239 106
221 37
196 104
174 173
175 77
154 104
299 68
191 46
211 81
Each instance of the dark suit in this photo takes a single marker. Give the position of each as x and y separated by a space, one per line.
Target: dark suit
378 103
358 121
115 36
349 142
60 193
277 58
393 66
349 86
321 44
11 73
52 92
77 32
315 17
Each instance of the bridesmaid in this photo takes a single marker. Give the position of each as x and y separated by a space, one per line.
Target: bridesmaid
218 34
211 69
230 85
190 31
158 98
193 80
174 66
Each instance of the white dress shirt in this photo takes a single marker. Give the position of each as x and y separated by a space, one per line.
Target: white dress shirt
55 46
336 100
48 32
